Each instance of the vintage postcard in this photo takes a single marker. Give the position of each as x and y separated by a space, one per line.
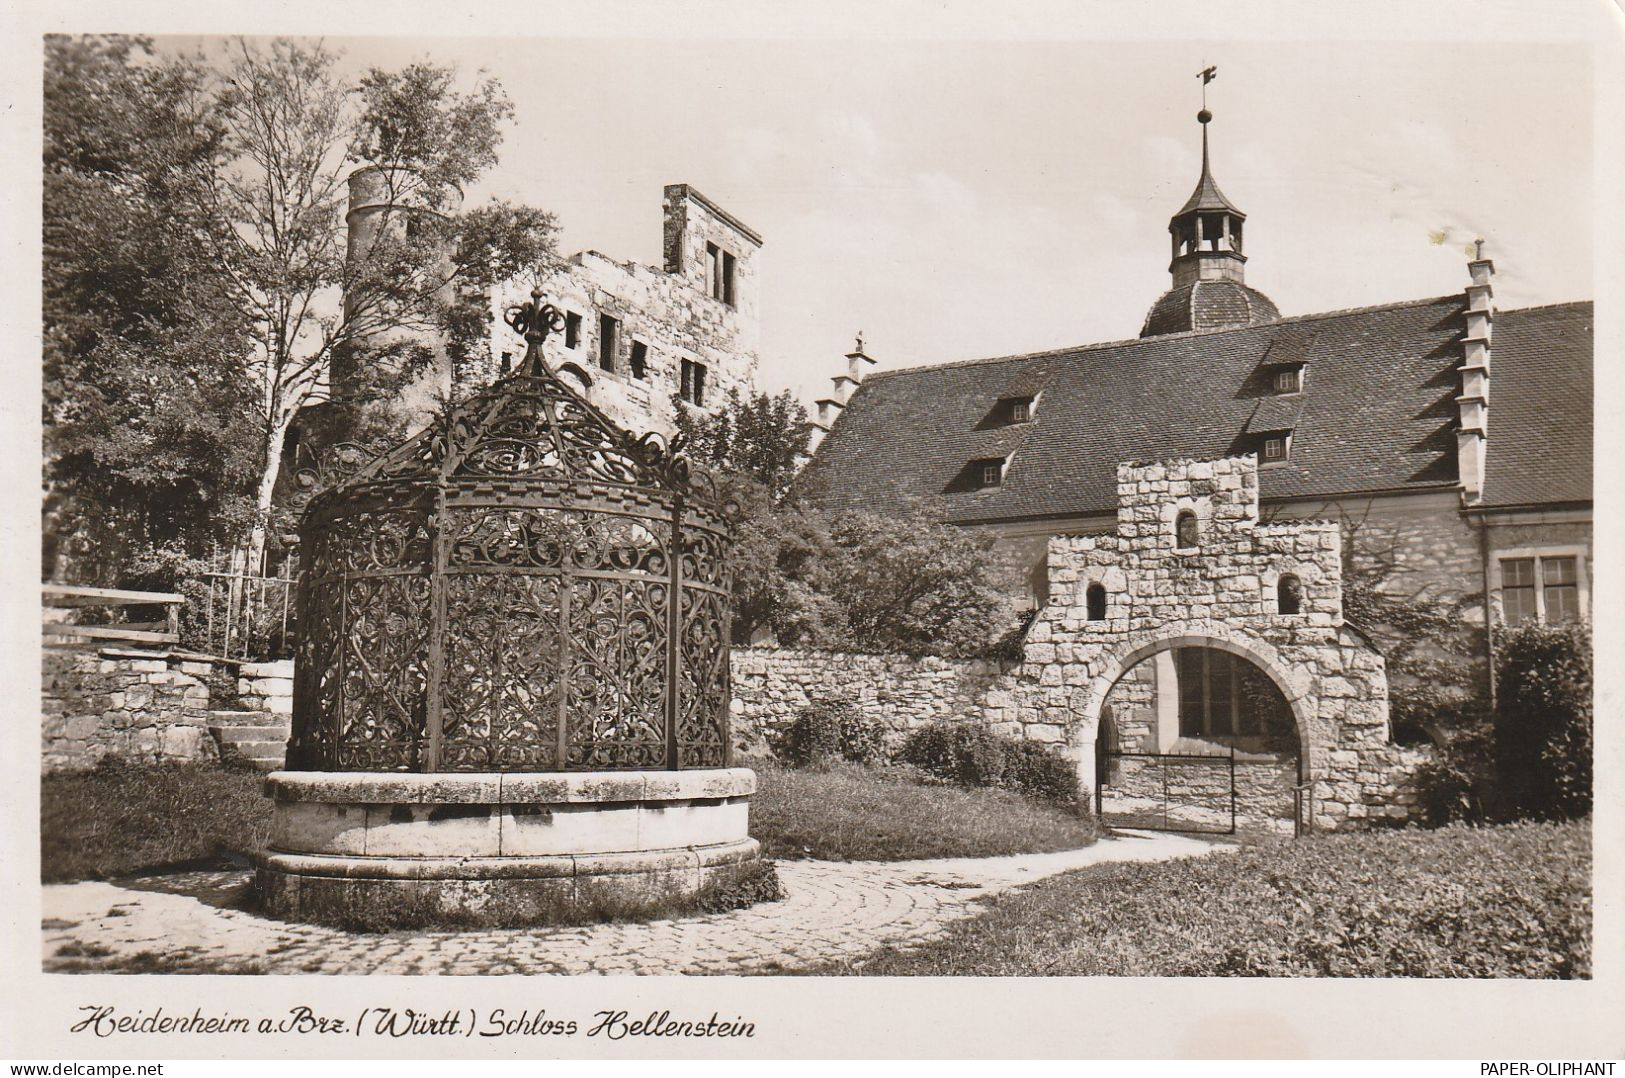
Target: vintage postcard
715 532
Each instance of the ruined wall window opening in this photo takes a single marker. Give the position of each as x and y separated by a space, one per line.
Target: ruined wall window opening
1289 595
572 330
609 332
692 382
506 366
720 268
1544 588
1095 602
1187 530
639 360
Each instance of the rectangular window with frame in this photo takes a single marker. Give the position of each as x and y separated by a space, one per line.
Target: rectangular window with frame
609 332
728 268
1274 450
1560 589
992 473
1211 701
1288 380
1540 587
1518 590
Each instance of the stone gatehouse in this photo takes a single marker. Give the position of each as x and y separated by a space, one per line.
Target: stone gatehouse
1192 628
1252 612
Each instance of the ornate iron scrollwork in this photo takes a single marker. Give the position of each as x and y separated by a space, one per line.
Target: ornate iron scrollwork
522 586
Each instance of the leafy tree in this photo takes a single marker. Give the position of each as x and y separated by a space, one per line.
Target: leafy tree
198 280
145 464
896 581
354 320
900 581
759 437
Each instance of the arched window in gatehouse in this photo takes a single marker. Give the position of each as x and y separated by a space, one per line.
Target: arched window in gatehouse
1187 533
1289 594
1095 602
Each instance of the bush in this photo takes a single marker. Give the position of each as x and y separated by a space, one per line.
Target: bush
1543 719
830 730
1457 785
972 755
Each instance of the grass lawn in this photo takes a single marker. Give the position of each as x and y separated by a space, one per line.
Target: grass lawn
123 820
1506 901
120 820
853 813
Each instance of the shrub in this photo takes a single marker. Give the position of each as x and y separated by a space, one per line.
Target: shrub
972 755
1543 719
1458 784
830 730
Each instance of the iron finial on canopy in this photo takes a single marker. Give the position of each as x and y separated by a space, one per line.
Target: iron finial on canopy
534 321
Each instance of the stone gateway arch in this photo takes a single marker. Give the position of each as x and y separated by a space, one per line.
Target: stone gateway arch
1191 568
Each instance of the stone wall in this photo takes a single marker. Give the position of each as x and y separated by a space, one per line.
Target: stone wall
771 685
266 687
137 705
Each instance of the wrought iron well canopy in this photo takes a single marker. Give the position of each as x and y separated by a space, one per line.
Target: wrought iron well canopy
523 586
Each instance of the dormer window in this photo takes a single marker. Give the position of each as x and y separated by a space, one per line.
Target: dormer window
992 473
1021 410
1289 380
1275 449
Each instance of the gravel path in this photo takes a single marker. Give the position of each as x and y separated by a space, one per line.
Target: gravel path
833 910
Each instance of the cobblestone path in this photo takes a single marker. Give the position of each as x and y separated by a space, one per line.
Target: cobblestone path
833 910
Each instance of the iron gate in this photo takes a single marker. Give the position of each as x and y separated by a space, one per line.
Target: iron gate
1165 791
1200 793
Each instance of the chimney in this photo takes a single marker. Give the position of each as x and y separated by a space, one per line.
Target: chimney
858 363
1473 404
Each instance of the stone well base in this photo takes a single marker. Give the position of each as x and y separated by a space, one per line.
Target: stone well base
521 846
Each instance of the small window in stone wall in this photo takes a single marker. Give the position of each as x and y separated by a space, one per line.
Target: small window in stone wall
640 360
691 383
609 332
1187 531
1289 595
572 330
1095 602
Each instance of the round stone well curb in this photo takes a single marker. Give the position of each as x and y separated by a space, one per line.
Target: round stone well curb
344 844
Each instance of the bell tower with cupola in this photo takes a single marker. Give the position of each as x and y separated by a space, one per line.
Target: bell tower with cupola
1209 270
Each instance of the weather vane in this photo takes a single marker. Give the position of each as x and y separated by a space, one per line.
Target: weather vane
1207 75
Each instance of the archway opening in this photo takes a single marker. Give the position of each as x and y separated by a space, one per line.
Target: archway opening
1201 739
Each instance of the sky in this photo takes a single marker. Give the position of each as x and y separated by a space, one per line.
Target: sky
954 199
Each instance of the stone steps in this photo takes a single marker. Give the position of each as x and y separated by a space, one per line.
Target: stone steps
251 737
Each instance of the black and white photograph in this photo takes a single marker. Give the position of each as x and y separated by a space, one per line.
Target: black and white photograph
561 528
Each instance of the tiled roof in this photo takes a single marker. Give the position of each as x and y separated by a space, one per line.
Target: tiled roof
1205 305
1207 195
1540 407
1378 413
